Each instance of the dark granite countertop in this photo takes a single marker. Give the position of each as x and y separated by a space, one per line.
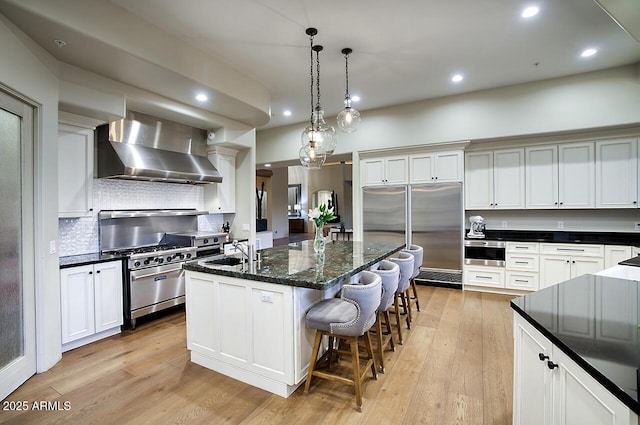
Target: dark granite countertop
297 265
633 262
605 238
594 320
84 259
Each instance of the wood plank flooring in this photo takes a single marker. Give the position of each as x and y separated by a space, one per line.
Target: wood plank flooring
455 367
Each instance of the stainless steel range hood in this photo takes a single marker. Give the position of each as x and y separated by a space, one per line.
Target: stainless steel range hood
142 147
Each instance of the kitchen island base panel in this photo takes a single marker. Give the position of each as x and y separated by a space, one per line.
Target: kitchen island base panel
274 387
249 330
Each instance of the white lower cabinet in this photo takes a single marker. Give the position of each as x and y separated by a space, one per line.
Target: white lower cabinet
613 254
560 262
550 388
91 302
484 276
249 330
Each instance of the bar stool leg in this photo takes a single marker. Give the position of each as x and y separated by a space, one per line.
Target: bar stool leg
380 338
314 358
387 321
396 304
415 293
355 359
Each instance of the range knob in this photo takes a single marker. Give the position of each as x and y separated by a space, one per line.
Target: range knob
146 262
206 241
180 255
169 258
160 260
188 255
136 264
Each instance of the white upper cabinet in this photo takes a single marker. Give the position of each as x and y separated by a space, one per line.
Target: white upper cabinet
385 171
576 175
495 179
478 177
436 167
221 197
617 173
542 177
75 171
560 176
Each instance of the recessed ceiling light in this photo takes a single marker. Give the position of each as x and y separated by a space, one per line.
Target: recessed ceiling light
201 97
457 78
530 12
355 98
588 52
287 113
267 165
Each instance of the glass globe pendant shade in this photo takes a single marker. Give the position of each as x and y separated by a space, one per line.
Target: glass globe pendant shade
348 119
320 133
311 157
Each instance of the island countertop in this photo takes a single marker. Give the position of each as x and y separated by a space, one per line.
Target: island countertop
594 320
296 264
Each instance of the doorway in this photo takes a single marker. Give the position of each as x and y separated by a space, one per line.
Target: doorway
17 266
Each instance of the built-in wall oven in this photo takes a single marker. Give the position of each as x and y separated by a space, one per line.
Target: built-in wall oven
485 253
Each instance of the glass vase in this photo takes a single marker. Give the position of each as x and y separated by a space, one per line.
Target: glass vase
318 240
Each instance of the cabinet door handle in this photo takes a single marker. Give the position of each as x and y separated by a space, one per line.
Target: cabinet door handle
522 262
522 280
567 261
90 272
551 365
521 247
571 249
97 271
542 357
483 277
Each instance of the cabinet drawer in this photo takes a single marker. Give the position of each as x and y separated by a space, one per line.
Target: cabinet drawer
522 262
522 280
532 247
573 250
484 276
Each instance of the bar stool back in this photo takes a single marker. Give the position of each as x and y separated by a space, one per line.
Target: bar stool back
405 262
346 318
389 272
417 252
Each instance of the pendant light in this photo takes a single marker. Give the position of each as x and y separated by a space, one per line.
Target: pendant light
349 118
318 138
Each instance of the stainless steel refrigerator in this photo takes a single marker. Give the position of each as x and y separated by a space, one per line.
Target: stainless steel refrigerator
429 215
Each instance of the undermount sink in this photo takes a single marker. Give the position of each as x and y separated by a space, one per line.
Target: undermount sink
225 261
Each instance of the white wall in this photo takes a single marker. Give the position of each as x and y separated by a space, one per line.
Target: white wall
28 70
592 100
279 201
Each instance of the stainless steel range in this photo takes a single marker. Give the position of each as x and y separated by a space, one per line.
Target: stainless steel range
154 279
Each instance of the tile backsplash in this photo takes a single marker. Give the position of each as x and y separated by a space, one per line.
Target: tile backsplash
80 235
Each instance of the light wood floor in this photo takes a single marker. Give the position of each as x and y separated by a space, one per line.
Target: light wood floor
455 367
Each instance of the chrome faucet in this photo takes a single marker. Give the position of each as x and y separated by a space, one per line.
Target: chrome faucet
248 254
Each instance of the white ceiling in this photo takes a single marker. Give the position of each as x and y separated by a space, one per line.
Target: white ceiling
403 51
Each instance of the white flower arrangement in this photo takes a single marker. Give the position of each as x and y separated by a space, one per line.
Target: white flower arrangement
321 215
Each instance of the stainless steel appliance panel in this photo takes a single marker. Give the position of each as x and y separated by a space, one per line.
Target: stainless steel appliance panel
436 224
384 214
485 253
152 285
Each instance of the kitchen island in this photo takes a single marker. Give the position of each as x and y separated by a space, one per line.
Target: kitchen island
576 352
251 325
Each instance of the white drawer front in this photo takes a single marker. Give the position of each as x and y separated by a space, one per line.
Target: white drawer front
522 262
531 247
522 280
484 276
573 250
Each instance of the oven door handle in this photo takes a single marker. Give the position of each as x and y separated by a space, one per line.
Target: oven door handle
156 274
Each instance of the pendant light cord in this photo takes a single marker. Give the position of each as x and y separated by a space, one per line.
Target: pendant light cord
346 73
311 74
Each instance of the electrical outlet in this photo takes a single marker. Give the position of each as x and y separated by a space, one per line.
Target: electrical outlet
504 224
637 226
266 297
560 224
52 247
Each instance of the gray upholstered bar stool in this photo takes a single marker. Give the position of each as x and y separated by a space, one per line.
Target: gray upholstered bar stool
405 261
346 318
389 272
417 252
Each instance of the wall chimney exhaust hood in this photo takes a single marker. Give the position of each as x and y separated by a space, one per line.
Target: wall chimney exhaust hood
141 147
